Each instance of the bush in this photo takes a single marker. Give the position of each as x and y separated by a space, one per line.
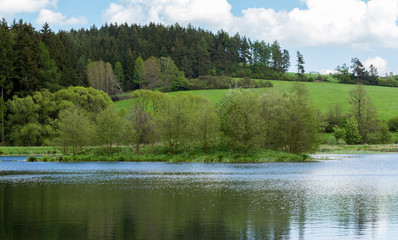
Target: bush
393 124
332 140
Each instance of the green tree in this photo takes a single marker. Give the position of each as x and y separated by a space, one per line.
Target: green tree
88 99
109 127
363 110
300 64
206 123
139 72
6 70
352 135
173 119
48 71
119 73
303 125
239 119
152 71
27 76
141 118
75 129
357 68
203 57
343 74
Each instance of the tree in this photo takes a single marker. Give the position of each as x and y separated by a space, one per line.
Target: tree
75 129
303 125
48 70
357 68
27 76
374 75
171 78
352 135
206 123
334 117
6 70
277 57
285 60
343 74
139 72
119 73
141 118
100 76
363 110
239 120
152 72
173 119
88 99
109 126
203 58
300 64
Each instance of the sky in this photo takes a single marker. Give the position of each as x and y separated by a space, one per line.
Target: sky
327 32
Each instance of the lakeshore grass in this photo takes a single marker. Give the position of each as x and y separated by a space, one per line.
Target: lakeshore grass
160 154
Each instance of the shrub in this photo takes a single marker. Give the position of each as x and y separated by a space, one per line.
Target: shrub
332 140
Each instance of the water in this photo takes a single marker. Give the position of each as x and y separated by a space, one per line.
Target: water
346 197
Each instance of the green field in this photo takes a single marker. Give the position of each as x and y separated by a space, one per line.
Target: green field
323 95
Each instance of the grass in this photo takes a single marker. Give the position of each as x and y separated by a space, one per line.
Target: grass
322 94
160 154
358 149
25 151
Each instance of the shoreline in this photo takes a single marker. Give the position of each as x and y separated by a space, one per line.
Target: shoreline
127 154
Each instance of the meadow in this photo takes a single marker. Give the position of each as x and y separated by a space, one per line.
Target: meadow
322 94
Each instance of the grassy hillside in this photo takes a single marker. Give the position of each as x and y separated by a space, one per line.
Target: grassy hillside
323 94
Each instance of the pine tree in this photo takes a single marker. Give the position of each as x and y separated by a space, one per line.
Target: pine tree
48 70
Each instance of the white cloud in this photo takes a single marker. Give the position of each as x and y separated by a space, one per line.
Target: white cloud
378 62
10 7
355 23
58 19
214 14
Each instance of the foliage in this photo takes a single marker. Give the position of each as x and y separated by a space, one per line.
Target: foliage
100 76
363 110
352 135
75 129
109 127
339 133
239 119
393 124
49 71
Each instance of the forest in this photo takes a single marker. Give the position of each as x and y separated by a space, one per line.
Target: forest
48 79
35 59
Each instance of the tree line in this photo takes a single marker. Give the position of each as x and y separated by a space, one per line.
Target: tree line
35 59
243 121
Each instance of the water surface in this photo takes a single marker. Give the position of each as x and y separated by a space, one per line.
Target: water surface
346 197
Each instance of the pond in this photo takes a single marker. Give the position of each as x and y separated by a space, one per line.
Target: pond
345 197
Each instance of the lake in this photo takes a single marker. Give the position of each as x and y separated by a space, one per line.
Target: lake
344 197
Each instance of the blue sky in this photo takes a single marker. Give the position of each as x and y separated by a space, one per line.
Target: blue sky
327 32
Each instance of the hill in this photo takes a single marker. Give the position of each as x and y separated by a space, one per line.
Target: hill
323 95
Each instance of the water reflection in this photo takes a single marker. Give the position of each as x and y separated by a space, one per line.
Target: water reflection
345 199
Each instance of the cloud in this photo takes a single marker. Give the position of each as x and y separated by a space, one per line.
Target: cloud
356 23
325 22
213 14
378 62
10 7
57 18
